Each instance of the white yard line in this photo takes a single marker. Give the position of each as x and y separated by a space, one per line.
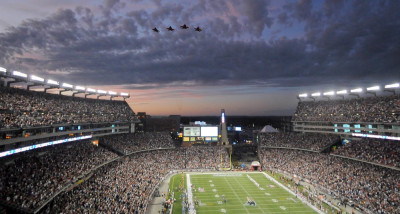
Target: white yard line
290 191
241 186
190 195
236 194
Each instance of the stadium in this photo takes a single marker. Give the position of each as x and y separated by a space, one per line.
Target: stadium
274 107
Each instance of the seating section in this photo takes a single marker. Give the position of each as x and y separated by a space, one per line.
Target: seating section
22 108
385 152
376 188
382 109
309 141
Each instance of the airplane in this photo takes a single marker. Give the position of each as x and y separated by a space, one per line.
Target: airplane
170 28
198 29
156 30
184 26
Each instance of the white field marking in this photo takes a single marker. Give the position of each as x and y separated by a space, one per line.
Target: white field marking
190 195
272 211
262 188
219 202
282 207
247 211
267 194
217 196
292 199
291 192
214 190
226 175
274 200
212 185
247 194
223 210
210 181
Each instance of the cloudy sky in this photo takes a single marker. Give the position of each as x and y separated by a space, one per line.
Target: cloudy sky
252 58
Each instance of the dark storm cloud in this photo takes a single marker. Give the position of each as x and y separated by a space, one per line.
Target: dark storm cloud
342 41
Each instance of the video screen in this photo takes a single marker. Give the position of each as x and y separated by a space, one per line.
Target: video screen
190 131
209 131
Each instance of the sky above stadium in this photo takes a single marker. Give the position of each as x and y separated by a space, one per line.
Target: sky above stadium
252 57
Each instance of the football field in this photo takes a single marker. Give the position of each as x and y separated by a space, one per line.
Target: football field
209 190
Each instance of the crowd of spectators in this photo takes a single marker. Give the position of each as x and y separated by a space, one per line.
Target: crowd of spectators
127 143
385 152
28 179
126 186
309 141
372 187
382 109
23 108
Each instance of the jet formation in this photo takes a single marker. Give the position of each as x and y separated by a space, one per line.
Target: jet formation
184 27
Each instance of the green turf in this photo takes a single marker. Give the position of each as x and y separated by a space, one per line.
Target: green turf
174 186
236 188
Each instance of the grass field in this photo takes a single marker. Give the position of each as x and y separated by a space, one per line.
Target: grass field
269 197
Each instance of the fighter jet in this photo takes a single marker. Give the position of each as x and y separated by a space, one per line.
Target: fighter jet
156 30
197 29
184 26
170 28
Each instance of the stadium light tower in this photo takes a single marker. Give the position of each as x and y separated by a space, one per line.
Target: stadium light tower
356 92
329 94
90 91
52 84
392 87
304 95
341 93
34 81
316 94
3 70
373 90
79 90
18 77
101 93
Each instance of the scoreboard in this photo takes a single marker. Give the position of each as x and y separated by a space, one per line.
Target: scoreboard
200 133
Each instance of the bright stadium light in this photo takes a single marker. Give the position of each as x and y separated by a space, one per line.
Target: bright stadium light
112 93
373 88
316 94
81 88
303 95
356 90
342 92
329 93
19 74
101 92
36 78
52 82
124 94
394 85
91 90
66 85
3 70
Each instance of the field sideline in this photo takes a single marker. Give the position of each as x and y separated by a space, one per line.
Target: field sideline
237 188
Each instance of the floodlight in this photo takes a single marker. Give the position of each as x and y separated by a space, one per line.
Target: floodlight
91 90
373 88
101 92
20 74
80 88
303 95
342 92
112 93
66 85
52 82
3 70
356 90
124 94
329 93
394 85
36 78
316 94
